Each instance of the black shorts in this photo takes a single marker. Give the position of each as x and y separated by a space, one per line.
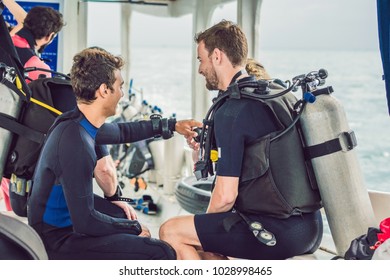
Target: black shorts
296 235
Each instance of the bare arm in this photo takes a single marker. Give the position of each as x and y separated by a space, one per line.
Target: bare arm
18 12
224 194
105 175
106 178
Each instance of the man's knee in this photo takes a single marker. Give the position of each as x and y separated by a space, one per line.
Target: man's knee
167 231
178 229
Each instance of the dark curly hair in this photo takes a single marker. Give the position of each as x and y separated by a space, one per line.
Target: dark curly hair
229 38
91 68
42 21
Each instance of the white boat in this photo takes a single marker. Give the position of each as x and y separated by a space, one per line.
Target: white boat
167 172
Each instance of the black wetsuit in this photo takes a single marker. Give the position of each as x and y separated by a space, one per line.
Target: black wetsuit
237 123
73 222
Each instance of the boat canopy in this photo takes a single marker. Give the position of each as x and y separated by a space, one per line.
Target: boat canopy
383 7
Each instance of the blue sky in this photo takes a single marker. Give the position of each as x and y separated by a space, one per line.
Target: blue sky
298 24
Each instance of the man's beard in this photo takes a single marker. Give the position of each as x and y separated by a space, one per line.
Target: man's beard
212 80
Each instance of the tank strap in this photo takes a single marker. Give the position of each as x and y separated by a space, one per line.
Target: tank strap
24 96
12 125
346 139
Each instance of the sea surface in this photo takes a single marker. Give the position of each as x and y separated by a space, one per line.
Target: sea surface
164 74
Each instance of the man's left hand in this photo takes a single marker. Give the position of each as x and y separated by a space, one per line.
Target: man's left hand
128 209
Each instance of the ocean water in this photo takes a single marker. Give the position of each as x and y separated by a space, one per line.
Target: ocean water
164 74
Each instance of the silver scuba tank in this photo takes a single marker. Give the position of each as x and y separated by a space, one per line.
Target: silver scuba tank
10 105
338 174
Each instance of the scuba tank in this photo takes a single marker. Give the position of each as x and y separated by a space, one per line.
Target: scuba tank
330 148
10 107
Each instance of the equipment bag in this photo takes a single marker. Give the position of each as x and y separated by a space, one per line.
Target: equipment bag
365 246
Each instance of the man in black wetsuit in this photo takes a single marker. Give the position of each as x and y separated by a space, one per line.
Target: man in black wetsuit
72 222
222 54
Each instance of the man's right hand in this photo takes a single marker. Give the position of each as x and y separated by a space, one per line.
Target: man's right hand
185 127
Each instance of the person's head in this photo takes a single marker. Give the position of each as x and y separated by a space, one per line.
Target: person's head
97 73
223 40
44 23
256 69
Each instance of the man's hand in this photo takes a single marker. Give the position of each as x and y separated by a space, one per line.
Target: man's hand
192 143
186 127
128 209
145 231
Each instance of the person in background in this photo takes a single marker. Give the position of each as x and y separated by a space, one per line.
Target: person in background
222 232
255 68
41 25
72 222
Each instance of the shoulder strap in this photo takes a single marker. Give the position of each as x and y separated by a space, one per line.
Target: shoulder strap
14 126
25 54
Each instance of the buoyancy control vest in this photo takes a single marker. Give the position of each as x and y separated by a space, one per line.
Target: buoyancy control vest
275 179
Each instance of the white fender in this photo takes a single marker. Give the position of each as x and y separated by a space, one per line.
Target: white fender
339 177
10 105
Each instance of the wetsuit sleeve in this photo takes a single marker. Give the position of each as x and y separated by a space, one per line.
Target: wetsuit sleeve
237 123
117 133
76 164
101 151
